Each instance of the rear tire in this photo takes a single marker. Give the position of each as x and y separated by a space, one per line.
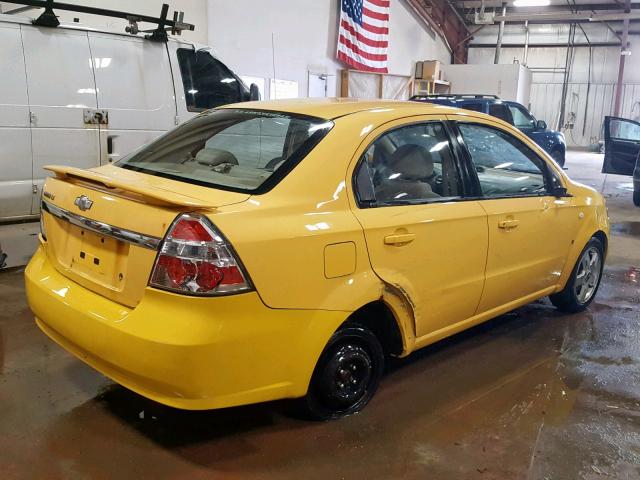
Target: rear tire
346 376
559 157
636 198
582 286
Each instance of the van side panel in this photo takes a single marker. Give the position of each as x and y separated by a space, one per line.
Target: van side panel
134 85
15 132
61 87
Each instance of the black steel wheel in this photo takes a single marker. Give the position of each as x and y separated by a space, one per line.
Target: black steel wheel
347 374
584 281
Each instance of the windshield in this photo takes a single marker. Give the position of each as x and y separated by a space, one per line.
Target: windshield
238 150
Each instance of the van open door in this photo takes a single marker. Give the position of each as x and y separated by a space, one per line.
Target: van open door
621 145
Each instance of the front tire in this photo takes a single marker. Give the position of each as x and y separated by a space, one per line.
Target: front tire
347 374
584 281
636 198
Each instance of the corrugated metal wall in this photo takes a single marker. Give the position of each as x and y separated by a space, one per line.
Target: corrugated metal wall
586 112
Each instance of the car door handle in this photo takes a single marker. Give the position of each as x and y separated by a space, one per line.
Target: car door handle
399 238
507 224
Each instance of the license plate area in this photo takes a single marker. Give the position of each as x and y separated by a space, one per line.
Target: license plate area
96 257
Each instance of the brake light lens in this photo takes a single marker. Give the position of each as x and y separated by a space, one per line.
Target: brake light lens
196 259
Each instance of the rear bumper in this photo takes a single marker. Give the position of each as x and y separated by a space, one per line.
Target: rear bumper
187 352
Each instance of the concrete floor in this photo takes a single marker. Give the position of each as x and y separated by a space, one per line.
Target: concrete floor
532 394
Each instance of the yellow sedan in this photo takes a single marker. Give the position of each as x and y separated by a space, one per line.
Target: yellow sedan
284 249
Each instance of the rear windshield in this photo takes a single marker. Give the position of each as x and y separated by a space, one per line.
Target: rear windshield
238 150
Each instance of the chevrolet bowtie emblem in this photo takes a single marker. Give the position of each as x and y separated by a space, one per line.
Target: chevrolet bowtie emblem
83 202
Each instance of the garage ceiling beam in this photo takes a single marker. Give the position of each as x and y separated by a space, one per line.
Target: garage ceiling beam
546 45
581 7
567 17
563 17
443 18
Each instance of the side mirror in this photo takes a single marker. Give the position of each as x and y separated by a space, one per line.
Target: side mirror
541 125
560 192
254 92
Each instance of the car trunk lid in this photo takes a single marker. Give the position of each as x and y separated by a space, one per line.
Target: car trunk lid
103 227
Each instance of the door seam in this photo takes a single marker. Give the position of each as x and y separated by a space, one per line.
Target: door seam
26 84
486 259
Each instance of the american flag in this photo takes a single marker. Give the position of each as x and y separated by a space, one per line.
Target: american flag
363 36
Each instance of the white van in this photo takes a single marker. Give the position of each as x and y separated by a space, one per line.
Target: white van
75 96
83 97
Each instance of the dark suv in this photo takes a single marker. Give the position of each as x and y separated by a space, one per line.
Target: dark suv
511 112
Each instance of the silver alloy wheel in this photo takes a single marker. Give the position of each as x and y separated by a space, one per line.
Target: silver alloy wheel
588 275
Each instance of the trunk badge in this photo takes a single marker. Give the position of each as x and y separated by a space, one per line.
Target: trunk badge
49 195
83 202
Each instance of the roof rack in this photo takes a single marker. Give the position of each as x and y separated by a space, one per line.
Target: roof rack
48 18
453 96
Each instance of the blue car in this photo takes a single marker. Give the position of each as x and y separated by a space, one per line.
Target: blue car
511 112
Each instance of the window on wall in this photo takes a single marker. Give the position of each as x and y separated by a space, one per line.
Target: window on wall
207 82
505 165
412 164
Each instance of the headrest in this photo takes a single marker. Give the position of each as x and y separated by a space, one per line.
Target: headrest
215 156
413 162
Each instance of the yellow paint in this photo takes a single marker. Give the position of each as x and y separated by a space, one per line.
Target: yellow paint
313 256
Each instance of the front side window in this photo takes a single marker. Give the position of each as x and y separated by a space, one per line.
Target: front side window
521 118
207 82
236 150
412 164
501 111
505 165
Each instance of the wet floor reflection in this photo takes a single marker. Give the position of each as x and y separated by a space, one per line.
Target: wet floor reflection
631 229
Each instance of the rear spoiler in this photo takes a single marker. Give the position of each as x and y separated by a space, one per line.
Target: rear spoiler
150 193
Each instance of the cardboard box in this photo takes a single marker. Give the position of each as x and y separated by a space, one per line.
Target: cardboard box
428 70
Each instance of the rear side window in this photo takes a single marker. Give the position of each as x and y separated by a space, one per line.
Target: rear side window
412 164
501 111
476 107
505 166
207 82
238 150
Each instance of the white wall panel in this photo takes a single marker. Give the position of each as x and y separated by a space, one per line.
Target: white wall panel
255 38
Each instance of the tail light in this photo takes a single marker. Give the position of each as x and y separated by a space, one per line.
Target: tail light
196 259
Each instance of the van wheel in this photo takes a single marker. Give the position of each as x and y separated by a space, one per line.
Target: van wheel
558 156
636 198
583 284
347 374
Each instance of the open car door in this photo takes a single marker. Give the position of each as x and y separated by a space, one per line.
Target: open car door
621 145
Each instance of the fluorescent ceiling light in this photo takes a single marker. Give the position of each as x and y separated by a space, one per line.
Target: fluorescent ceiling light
531 3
